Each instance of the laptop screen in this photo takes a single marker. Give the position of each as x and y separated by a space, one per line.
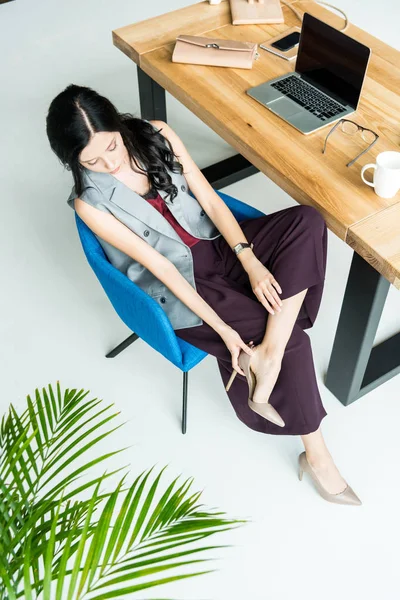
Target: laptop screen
331 60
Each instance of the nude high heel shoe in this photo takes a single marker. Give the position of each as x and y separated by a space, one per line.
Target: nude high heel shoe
264 409
346 497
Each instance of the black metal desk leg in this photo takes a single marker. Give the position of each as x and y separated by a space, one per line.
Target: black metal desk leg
153 107
152 98
355 367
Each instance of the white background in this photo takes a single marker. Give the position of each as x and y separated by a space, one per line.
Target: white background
56 323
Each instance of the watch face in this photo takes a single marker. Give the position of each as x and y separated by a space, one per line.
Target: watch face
241 246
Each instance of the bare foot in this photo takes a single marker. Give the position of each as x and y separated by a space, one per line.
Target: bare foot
266 367
328 474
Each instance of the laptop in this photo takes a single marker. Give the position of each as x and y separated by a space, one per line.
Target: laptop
327 81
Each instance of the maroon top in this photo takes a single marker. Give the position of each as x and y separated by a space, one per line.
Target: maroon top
160 205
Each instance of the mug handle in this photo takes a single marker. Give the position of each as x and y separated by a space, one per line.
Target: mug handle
369 166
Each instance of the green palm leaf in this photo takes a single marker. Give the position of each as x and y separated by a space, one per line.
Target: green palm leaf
57 544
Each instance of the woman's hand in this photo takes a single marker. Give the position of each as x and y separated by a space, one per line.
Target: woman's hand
264 286
235 344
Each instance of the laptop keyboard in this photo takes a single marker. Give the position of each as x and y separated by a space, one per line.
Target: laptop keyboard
308 97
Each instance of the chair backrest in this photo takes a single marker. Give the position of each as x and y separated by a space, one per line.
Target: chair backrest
138 310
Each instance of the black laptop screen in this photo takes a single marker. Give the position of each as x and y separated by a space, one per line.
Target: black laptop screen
331 60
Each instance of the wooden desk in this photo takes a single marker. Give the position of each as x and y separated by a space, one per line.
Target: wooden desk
295 162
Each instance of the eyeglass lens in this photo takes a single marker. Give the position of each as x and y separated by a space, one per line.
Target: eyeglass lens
350 128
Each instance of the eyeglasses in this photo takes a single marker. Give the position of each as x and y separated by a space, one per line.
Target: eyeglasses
350 128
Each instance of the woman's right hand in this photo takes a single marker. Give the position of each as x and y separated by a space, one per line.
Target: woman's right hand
235 344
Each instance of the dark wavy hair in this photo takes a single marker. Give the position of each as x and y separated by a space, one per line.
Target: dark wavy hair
78 111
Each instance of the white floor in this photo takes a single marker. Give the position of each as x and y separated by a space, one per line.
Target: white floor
57 324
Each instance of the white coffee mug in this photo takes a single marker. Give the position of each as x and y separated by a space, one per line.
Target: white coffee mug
386 175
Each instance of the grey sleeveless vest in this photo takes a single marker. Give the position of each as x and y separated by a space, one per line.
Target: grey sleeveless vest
106 193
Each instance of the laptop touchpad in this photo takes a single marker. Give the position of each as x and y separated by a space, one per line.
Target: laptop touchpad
285 107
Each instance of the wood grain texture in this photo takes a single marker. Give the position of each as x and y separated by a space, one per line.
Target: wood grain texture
377 239
146 36
293 161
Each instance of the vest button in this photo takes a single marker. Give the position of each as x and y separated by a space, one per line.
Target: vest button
146 233
183 188
162 300
202 213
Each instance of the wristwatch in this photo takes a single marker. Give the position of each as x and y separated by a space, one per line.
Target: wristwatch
240 247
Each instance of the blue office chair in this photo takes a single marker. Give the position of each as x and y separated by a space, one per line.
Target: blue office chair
140 312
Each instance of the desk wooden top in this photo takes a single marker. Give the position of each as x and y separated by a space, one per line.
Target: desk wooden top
377 240
292 160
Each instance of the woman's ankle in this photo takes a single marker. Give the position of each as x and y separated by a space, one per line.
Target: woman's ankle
271 353
319 460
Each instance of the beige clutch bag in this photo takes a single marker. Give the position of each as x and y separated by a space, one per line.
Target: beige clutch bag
197 50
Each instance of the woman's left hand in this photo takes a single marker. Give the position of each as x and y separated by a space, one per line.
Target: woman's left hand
264 286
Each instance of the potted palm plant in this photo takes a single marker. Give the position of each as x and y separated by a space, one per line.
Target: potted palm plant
62 537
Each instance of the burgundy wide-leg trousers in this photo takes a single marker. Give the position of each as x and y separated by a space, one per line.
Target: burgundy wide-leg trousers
292 244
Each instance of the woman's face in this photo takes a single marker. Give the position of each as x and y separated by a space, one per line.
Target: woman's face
105 153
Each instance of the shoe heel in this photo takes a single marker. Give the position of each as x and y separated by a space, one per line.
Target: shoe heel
300 473
265 410
244 364
231 379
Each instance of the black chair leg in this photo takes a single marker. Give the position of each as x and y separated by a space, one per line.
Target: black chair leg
132 338
184 406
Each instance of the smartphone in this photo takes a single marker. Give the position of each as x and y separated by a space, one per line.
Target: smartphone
287 42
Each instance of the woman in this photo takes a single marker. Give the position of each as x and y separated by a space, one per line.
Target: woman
242 292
